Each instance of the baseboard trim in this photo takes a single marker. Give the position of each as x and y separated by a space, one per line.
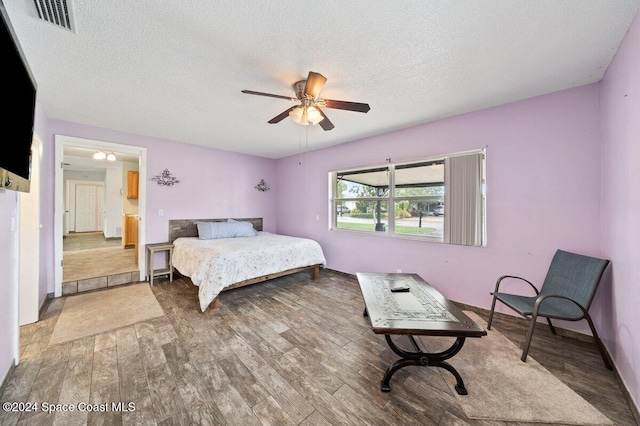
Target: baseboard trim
45 305
625 390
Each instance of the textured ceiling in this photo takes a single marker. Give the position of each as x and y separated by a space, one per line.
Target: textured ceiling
175 69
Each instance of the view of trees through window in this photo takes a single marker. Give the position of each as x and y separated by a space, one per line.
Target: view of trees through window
441 199
362 199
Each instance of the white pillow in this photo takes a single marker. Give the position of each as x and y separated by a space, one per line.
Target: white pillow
217 230
204 230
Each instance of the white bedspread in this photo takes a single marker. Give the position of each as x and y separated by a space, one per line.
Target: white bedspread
214 265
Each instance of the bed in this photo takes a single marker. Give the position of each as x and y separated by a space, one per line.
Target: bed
216 265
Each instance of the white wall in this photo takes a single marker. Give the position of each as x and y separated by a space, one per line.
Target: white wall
9 281
113 194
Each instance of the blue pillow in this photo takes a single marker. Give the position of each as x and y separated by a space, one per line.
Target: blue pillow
217 230
204 230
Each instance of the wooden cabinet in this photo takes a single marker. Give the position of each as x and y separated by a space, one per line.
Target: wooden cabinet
132 184
130 234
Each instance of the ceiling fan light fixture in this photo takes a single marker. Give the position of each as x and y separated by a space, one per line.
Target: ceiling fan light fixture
313 115
306 115
304 121
296 114
299 115
309 111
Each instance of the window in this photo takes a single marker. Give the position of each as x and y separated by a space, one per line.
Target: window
439 199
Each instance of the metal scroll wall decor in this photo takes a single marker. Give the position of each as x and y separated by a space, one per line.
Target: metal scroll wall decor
262 186
165 178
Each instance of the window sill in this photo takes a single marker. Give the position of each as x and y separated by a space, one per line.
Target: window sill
399 237
388 235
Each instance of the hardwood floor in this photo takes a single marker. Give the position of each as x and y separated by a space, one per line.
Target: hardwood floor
288 352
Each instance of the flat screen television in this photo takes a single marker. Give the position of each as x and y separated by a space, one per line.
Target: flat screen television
19 110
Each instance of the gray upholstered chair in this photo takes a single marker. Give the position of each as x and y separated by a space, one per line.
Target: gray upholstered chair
567 293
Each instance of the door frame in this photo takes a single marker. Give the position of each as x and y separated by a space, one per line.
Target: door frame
62 141
29 225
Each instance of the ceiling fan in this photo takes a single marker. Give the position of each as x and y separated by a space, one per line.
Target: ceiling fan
308 110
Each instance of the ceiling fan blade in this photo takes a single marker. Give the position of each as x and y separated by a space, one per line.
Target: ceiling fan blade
326 124
349 106
251 92
315 83
278 118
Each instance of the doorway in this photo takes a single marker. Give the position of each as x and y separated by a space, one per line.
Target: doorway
89 213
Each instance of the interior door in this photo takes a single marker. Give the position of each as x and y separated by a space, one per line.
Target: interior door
86 208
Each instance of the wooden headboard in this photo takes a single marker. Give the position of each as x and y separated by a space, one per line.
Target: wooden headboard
188 228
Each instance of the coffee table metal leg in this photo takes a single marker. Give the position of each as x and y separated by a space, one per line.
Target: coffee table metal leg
365 313
384 385
424 359
459 387
414 344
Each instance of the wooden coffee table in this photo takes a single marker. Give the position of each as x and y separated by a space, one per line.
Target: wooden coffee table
420 311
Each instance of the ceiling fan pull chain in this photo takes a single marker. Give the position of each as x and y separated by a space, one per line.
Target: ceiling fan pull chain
306 153
300 147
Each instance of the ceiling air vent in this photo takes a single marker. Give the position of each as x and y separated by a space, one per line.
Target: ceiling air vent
57 12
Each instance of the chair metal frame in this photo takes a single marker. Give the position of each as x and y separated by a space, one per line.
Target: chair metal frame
535 311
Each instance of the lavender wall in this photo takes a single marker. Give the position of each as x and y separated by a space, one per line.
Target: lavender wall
213 183
543 194
620 100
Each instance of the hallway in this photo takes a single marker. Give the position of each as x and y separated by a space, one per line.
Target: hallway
90 261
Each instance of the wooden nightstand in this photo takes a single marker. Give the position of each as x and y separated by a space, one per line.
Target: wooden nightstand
151 250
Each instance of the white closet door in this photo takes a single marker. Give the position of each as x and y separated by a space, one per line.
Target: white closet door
85 208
